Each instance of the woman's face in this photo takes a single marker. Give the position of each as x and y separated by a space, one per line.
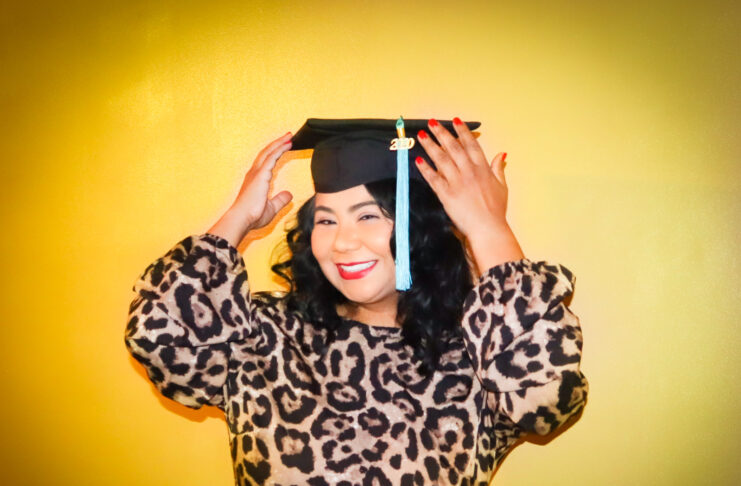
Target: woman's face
351 241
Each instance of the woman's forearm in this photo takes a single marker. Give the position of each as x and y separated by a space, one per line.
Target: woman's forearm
231 226
494 245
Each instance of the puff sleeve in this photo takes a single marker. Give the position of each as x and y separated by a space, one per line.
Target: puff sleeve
189 305
525 343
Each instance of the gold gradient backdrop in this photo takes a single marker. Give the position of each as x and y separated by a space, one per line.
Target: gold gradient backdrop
128 126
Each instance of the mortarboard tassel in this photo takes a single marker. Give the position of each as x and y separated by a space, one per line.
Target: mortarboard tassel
403 271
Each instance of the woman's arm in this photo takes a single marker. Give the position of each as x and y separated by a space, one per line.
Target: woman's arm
523 340
525 343
188 306
194 301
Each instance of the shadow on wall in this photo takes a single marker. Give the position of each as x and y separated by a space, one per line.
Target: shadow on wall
541 440
191 414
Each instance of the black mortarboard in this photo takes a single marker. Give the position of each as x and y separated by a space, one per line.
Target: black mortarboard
350 152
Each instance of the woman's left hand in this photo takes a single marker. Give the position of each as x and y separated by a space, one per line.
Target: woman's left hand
472 191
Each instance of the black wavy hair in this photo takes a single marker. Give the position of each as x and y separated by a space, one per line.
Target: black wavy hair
429 312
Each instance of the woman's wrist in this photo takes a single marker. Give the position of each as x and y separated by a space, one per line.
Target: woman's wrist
494 245
231 226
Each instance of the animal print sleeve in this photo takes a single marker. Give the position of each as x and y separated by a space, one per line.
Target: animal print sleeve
525 343
188 306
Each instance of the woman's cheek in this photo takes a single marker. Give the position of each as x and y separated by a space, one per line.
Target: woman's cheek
381 238
320 248
317 245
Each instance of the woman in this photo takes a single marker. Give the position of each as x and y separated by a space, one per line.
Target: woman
346 379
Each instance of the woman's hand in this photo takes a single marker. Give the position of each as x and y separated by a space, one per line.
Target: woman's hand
253 208
472 191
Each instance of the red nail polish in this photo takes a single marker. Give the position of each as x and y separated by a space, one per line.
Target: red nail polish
457 121
504 156
421 134
419 160
433 122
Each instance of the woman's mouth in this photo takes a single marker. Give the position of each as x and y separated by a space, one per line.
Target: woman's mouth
352 271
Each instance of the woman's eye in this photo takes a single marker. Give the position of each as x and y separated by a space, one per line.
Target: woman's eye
368 216
324 221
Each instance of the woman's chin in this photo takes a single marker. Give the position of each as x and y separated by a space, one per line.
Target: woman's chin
363 297
369 290
355 298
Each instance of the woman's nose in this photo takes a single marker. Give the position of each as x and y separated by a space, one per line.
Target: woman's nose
346 239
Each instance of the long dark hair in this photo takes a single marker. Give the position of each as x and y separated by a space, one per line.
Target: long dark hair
429 312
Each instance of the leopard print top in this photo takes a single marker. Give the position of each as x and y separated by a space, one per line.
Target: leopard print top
358 414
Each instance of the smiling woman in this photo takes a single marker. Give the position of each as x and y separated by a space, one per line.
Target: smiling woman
363 373
351 242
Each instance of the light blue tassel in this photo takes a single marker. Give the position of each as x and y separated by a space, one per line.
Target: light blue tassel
403 270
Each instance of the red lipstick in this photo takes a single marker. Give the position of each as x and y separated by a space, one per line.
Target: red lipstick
348 275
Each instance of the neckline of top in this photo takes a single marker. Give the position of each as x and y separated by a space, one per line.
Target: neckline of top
388 329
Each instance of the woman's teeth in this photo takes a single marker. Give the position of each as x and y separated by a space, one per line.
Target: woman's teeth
358 267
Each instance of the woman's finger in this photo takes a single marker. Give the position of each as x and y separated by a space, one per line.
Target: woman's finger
443 162
272 157
497 167
469 143
270 148
280 200
451 145
433 178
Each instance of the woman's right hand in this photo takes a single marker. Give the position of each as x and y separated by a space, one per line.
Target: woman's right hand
253 208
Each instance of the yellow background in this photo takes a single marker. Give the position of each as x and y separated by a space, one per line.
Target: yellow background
128 126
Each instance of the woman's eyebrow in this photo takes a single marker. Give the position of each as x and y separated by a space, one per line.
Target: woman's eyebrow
352 208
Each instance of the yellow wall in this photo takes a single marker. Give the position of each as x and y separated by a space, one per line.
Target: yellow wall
125 128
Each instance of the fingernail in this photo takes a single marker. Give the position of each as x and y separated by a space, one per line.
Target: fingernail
504 156
419 160
421 134
457 121
433 122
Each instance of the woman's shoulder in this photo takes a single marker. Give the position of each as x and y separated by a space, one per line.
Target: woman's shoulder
269 297
272 304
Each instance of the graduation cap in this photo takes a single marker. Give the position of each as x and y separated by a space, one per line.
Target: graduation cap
350 152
